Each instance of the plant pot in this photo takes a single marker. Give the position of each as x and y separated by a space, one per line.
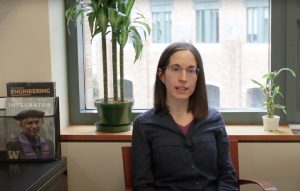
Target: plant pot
114 116
271 124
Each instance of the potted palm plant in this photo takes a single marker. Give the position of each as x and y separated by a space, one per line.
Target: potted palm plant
271 90
113 17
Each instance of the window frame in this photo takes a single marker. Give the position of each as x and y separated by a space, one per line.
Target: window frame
161 9
164 23
204 11
259 24
79 115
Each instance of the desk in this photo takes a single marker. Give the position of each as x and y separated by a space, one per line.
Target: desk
16 176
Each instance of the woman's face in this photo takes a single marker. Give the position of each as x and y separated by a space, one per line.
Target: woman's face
180 76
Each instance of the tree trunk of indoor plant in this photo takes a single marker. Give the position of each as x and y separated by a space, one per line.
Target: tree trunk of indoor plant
114 113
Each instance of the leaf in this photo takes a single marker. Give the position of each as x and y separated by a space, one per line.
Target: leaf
145 25
123 37
137 43
113 18
103 18
258 83
91 19
129 6
286 69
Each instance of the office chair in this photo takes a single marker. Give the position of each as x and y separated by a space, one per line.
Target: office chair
127 165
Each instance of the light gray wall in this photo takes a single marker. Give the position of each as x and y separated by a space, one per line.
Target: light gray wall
58 55
25 44
32 45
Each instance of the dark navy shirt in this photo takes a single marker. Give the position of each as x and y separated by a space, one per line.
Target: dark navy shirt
165 159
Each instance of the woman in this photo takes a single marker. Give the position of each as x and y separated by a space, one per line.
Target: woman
181 144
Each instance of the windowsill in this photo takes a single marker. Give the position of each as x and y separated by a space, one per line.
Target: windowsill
243 133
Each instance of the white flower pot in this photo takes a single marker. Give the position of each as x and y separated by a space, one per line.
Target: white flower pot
271 124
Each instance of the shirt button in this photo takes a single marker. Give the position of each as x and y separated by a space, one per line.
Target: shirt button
197 182
193 166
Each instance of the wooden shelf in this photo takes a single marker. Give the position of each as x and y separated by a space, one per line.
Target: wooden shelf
243 133
258 134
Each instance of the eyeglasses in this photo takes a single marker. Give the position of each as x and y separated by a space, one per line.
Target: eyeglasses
191 70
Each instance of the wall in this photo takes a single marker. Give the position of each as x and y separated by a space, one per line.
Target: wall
58 56
276 162
29 52
98 166
24 37
32 45
94 166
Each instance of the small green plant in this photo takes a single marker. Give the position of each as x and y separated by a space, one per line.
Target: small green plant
271 91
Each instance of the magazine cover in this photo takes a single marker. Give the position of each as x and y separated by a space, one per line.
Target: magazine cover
14 105
31 89
30 135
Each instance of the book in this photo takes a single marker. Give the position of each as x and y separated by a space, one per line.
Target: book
295 128
2 131
296 131
2 125
2 102
32 89
15 105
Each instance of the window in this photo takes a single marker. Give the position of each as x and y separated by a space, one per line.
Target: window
231 62
257 21
161 21
254 97
128 92
213 96
207 21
